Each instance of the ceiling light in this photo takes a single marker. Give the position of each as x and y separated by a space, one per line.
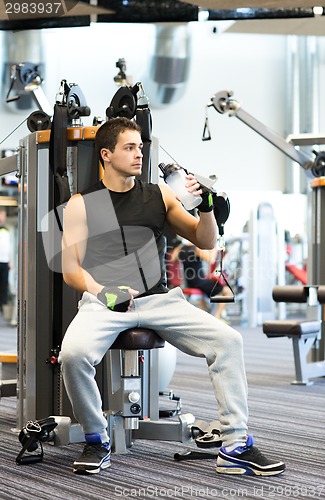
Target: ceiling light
318 11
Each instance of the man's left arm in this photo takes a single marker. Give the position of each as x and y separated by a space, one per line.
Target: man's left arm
202 231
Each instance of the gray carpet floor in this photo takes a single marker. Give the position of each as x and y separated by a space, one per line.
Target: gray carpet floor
288 422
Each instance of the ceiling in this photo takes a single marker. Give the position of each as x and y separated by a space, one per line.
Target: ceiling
288 17
253 4
301 26
249 16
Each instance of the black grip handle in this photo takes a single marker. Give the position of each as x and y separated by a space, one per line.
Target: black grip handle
222 298
32 459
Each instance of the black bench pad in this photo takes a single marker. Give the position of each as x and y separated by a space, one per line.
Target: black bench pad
288 328
321 294
135 339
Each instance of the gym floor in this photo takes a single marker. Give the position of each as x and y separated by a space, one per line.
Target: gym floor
287 421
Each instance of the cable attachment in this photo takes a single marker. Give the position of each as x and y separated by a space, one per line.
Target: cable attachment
206 136
33 434
121 78
61 95
221 244
222 280
168 413
143 99
206 435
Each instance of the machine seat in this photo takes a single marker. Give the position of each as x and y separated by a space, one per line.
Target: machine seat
321 294
137 339
290 328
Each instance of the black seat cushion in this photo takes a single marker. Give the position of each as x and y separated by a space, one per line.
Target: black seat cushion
135 339
282 328
290 293
321 294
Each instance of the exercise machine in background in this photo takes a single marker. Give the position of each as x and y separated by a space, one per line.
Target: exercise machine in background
26 80
224 103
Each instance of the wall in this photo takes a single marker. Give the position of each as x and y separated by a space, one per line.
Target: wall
252 66
243 63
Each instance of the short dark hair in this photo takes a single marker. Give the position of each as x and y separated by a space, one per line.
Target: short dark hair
107 134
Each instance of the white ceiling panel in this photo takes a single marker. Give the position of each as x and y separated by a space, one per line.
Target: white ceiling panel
314 26
253 4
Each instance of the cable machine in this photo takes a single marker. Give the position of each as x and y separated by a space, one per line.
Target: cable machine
46 305
314 168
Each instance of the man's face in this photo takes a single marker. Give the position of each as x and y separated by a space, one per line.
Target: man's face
127 155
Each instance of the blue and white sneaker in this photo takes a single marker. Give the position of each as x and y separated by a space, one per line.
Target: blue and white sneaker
248 460
95 456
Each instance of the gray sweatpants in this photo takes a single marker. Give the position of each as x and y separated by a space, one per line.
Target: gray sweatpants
193 331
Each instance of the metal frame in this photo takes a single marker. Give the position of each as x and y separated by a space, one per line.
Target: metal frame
43 318
305 370
141 369
40 390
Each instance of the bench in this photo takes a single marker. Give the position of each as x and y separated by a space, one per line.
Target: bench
8 374
304 333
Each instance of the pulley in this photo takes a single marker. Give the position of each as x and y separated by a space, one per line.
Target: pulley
122 104
38 120
318 168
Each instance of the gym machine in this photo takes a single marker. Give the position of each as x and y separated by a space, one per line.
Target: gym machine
314 168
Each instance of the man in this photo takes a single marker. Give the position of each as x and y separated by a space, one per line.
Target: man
113 253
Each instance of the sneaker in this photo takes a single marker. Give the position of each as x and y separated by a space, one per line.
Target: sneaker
95 456
248 460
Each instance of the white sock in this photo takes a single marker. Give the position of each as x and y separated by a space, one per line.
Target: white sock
232 447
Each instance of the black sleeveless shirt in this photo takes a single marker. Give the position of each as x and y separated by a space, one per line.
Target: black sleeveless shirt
126 243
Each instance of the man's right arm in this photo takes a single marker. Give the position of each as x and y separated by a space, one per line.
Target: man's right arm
74 243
